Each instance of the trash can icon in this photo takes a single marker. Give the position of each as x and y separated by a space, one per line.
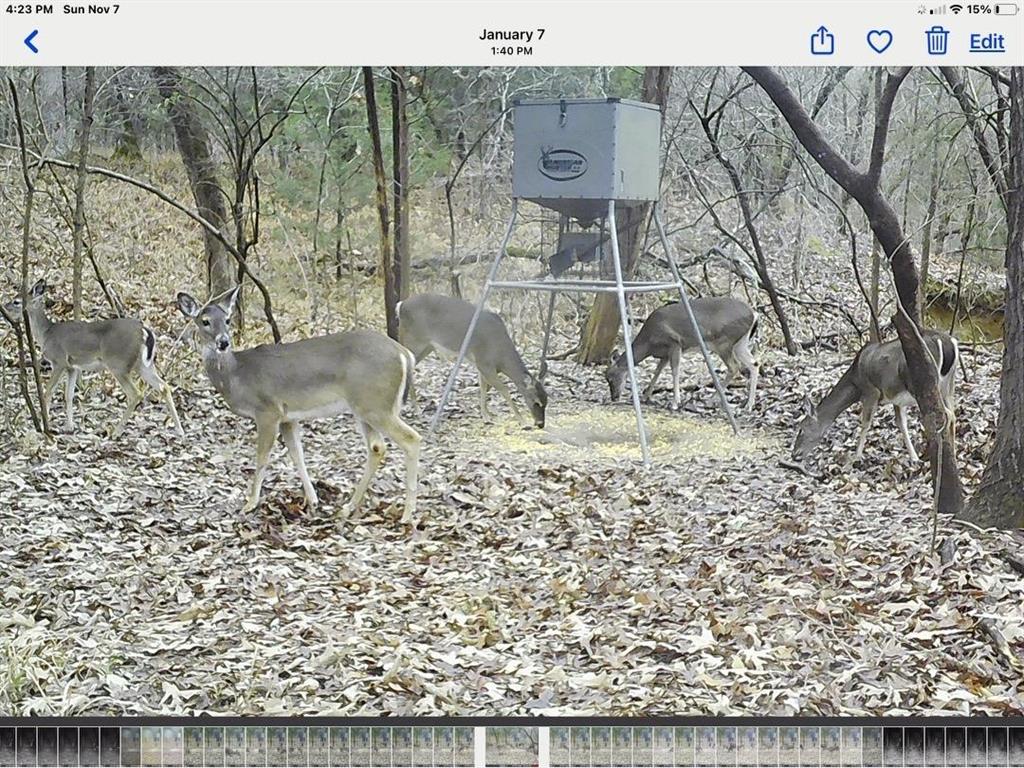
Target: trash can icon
938 40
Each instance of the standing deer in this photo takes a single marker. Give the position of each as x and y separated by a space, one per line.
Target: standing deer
430 322
728 325
280 385
877 374
123 346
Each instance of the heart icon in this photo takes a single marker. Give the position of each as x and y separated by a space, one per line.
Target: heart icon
879 40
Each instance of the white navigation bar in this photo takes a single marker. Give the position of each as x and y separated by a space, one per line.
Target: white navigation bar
526 32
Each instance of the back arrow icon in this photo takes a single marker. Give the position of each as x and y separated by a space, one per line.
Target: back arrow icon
29 43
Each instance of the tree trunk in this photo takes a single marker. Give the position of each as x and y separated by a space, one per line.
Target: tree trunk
64 90
865 189
78 233
603 324
1000 497
400 178
387 264
339 219
48 88
194 145
876 270
43 422
929 217
127 145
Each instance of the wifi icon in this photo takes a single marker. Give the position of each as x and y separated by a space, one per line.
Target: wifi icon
956 8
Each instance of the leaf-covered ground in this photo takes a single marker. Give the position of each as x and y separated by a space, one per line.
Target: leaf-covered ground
550 572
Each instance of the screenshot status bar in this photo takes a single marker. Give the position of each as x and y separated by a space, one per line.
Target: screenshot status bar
560 33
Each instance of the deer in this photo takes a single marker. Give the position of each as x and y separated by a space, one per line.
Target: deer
122 346
878 374
729 327
430 322
279 386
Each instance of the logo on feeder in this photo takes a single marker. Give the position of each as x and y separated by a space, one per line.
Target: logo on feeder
562 164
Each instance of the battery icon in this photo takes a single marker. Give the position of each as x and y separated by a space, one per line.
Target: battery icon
1006 9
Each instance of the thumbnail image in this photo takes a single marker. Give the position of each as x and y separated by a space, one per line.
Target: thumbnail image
516 391
255 745
152 746
319 746
234 745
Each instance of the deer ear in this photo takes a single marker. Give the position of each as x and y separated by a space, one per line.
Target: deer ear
809 409
227 300
39 288
187 305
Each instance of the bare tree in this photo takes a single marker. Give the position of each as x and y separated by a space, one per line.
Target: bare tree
383 215
711 121
400 176
194 145
127 144
865 188
42 423
999 500
78 230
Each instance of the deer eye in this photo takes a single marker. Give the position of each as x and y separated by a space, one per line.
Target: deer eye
206 323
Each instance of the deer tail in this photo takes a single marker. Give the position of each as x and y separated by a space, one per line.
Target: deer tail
754 328
408 367
148 347
948 357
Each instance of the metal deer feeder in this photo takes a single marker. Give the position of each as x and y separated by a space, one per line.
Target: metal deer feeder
587 159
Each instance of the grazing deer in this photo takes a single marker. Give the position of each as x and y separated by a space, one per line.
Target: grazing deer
430 322
123 346
728 325
878 374
280 385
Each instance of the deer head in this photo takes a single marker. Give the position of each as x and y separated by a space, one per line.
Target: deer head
808 432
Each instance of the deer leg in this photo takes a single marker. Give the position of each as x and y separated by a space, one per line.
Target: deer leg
732 368
152 378
485 388
51 385
408 440
375 450
674 362
292 436
745 358
649 392
133 398
266 433
69 397
754 373
503 390
867 414
901 419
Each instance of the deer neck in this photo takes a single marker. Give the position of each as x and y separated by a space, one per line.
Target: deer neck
641 351
40 323
220 368
844 394
515 369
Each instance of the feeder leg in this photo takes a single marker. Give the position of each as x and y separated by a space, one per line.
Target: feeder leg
627 337
693 321
547 336
450 384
